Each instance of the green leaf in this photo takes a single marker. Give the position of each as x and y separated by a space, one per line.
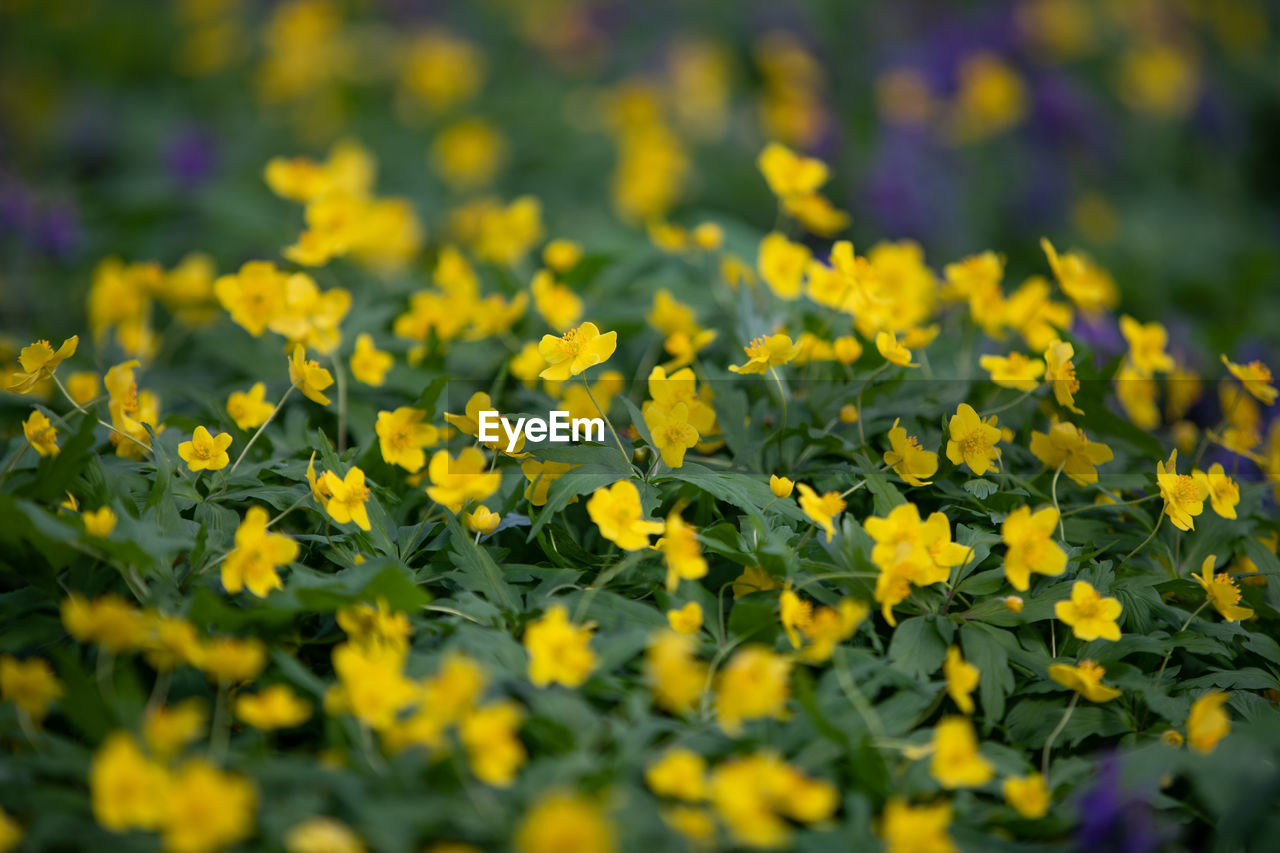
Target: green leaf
481 572
917 648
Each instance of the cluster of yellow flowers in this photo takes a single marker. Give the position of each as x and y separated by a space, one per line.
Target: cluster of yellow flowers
147 780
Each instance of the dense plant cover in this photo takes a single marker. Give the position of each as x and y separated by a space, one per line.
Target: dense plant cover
876 550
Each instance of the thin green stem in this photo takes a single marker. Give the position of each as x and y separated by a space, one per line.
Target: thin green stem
340 376
1164 663
1009 405
1053 735
1053 490
626 457
1143 543
254 437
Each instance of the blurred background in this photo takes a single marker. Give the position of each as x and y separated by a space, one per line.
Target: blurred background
1143 132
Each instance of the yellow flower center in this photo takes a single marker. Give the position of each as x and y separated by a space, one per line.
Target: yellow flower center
1223 589
757 349
202 450
1185 490
1091 671
571 343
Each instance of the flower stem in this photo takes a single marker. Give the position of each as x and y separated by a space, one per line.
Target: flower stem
1053 735
254 438
340 375
1144 542
1053 490
1009 405
626 458
1169 653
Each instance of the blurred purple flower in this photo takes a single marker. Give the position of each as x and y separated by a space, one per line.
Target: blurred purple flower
58 230
191 157
1114 820
1100 333
910 191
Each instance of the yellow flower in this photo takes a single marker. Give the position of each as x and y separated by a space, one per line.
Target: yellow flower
252 563
1066 447
274 707
972 440
821 509
957 763
167 730
83 386
789 174
489 735
1256 378
1014 371
847 349
402 436
559 651
561 255
127 790
1137 394
366 624
962 678
916 829
170 641
1031 546
249 409
849 414
908 459
909 551
616 510
817 214
1028 795
1146 346
824 628
482 520
557 304
755 683
708 236
1088 285
782 264
1183 494
131 411
109 621
1208 723
322 835
671 431
1224 492
1013 603
893 352
1085 679
1221 591
456 481
560 822
764 353
229 660
780 486
540 476
39 361
206 809
468 153
100 522
681 552
205 451
41 434
347 497
1090 615
1060 374
576 351
687 619
680 774
675 676
308 376
371 684
29 684
254 296
755 795
368 363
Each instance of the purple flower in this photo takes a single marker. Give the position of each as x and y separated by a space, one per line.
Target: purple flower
1115 820
191 157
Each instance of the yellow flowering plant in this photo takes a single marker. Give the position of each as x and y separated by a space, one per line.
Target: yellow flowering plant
743 614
